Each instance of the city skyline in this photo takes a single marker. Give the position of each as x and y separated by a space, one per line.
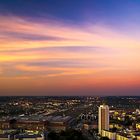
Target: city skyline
52 47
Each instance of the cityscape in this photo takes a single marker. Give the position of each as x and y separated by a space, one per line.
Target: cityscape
88 118
69 70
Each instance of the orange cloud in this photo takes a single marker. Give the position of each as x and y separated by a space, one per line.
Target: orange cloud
23 41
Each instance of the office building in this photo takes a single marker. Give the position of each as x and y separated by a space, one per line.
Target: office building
103 121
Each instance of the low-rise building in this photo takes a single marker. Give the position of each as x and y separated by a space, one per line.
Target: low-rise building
28 137
138 126
123 137
4 124
90 125
109 134
59 123
31 125
4 137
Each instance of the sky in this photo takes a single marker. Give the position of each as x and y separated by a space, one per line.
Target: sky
70 47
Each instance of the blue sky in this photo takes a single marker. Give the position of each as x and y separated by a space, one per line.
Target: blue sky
108 11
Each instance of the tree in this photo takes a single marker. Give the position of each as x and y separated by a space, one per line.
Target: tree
104 138
70 134
52 136
127 121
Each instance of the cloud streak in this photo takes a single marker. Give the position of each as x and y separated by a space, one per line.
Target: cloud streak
51 51
88 35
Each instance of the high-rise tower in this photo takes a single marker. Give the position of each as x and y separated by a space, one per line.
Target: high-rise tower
103 121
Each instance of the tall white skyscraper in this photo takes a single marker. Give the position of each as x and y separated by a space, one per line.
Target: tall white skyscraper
103 121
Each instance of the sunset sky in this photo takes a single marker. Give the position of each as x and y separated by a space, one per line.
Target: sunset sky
69 47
